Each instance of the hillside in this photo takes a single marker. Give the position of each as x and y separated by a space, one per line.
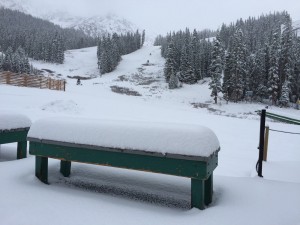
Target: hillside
240 197
93 26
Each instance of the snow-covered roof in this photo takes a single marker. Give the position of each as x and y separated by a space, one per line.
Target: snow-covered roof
9 121
172 138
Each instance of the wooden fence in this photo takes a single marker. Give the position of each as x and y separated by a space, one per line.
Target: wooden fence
37 81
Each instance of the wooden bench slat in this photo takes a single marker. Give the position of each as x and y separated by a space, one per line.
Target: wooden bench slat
171 166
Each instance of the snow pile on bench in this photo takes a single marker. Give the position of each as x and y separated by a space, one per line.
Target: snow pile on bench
183 139
11 121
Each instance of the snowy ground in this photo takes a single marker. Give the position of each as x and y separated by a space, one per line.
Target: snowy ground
104 195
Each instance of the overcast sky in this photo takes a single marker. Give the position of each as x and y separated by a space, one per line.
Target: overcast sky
161 16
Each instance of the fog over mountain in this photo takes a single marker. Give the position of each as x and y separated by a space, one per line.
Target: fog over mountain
157 17
90 25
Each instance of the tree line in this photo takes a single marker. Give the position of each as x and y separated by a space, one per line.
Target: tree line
40 39
112 47
256 57
15 61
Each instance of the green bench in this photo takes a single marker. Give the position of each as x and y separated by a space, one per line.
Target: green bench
14 128
52 145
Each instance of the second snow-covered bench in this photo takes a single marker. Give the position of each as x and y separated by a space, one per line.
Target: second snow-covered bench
14 128
176 149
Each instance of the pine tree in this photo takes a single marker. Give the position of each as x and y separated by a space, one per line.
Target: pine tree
286 50
7 64
143 38
238 72
273 74
195 51
216 69
169 64
186 71
173 81
284 98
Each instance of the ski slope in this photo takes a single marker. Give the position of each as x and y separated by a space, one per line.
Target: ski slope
104 195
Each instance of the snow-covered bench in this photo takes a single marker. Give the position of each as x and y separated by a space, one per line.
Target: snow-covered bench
14 128
185 150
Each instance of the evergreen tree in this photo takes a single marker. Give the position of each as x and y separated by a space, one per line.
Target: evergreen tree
143 37
195 51
173 81
227 81
186 71
273 75
216 69
286 52
169 64
284 98
7 64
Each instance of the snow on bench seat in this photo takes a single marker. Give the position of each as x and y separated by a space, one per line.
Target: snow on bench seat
171 138
12 121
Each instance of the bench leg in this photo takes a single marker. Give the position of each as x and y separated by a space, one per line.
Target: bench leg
41 168
197 191
22 150
208 190
65 168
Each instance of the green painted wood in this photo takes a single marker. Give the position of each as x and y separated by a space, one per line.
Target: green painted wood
197 193
65 168
177 167
281 118
13 136
208 190
17 135
22 150
41 168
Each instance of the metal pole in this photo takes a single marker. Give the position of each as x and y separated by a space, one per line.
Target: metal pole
261 142
266 143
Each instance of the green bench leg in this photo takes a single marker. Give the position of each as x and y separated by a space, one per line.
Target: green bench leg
41 168
22 150
208 190
65 168
197 191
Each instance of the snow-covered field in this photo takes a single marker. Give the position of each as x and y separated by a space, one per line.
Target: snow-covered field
104 195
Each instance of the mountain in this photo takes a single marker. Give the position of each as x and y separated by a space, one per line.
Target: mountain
93 26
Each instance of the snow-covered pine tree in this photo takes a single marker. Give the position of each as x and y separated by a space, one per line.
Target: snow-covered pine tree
173 81
186 71
7 64
216 68
258 78
238 61
284 98
169 64
195 51
143 37
273 73
227 81
286 50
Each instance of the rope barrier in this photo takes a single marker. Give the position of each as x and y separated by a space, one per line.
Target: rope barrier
281 131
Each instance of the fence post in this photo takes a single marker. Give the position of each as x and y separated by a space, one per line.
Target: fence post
261 142
64 85
25 80
7 78
266 143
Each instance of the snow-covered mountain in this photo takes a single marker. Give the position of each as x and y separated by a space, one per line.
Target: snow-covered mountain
93 26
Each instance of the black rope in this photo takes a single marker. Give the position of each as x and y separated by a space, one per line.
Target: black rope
286 132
